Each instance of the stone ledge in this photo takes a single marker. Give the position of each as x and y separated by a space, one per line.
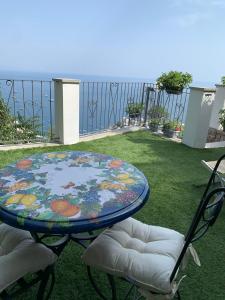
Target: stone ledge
86 138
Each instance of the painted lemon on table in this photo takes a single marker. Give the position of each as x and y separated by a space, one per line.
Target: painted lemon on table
25 199
122 176
56 155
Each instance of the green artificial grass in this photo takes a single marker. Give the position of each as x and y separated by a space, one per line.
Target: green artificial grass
176 178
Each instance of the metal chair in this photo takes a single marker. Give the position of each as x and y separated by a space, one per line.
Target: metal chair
20 257
150 257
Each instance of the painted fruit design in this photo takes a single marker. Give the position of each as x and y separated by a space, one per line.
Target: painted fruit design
57 155
18 186
64 208
25 199
115 164
24 164
105 185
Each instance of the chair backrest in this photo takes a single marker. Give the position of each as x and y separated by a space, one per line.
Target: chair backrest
206 214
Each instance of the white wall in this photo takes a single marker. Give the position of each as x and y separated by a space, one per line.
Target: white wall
198 117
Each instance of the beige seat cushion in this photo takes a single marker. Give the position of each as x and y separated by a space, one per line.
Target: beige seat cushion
20 255
146 254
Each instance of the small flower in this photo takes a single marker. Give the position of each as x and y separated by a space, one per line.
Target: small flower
127 197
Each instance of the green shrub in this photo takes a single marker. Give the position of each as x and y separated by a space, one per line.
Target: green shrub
172 125
7 130
155 122
223 80
222 118
16 128
134 109
174 82
158 112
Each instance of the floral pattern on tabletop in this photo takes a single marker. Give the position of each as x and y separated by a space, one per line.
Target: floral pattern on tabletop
62 187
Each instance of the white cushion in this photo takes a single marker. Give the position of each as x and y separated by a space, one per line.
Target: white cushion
20 255
143 253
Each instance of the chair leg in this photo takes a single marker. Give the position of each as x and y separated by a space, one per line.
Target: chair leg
5 296
113 286
111 282
178 295
49 272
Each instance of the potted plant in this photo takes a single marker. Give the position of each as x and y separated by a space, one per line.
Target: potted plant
158 112
172 129
222 118
223 80
174 82
134 110
157 115
155 125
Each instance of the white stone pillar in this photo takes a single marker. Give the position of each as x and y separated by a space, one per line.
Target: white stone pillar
198 117
67 110
218 104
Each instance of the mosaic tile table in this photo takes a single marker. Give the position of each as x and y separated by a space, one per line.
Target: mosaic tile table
70 192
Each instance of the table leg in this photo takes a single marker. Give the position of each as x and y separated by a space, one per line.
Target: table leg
57 246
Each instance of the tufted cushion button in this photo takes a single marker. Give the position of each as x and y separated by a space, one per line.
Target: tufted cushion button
144 253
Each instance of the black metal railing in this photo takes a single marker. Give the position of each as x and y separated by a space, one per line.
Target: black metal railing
103 104
107 105
27 108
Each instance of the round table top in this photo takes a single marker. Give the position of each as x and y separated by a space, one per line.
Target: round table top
70 192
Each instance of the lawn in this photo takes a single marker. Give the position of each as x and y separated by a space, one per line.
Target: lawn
176 178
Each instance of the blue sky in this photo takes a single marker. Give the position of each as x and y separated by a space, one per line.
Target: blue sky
140 38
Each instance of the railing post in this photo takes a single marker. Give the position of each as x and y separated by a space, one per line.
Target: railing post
149 91
67 110
143 94
198 117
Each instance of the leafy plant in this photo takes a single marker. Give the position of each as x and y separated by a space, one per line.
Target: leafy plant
154 122
27 129
134 109
158 112
223 80
174 82
172 125
6 122
222 118
155 125
16 128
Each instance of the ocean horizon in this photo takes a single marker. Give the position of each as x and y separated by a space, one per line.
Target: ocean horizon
32 75
103 99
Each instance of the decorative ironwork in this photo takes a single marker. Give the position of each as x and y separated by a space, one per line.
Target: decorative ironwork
113 101
29 105
104 105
